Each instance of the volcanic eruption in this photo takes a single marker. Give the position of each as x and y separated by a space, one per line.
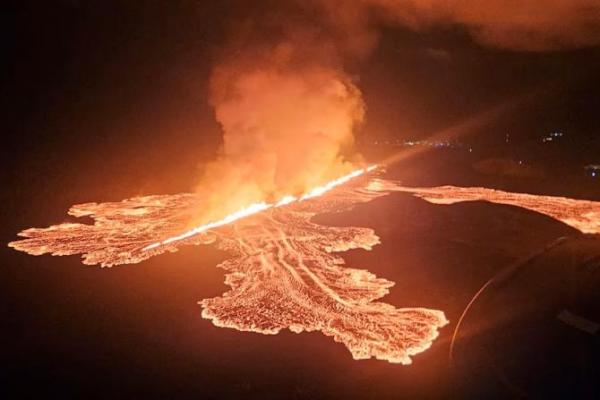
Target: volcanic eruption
288 108
284 272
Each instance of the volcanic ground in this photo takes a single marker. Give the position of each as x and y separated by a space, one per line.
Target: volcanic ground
284 271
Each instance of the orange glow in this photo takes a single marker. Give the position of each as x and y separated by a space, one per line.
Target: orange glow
284 270
262 206
583 215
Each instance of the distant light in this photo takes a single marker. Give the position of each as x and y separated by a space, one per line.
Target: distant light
593 170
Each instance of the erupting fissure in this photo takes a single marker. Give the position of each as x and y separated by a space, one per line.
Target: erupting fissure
262 206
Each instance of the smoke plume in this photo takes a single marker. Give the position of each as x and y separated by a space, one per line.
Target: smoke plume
533 25
288 107
287 110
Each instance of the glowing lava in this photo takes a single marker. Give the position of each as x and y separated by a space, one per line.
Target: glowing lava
283 273
258 207
583 215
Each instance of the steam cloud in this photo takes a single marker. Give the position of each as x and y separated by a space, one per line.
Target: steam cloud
287 106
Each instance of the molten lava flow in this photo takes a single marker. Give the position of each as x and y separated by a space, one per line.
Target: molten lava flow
583 215
258 207
283 273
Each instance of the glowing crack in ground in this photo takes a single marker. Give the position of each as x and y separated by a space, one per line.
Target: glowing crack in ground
283 272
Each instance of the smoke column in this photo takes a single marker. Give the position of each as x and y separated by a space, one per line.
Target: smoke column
288 107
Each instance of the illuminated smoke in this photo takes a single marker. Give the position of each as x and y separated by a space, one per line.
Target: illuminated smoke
288 106
288 111
529 25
